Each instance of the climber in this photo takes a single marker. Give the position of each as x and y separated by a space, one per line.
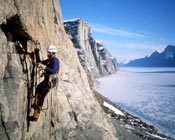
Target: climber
51 68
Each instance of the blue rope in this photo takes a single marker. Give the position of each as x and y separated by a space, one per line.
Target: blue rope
13 77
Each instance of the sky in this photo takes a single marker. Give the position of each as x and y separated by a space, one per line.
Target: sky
129 29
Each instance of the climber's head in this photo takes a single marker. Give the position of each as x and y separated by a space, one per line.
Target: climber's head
51 51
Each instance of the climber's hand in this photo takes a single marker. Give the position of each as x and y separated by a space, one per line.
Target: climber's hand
40 65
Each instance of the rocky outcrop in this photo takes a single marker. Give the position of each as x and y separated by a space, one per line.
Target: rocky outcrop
106 63
70 112
93 56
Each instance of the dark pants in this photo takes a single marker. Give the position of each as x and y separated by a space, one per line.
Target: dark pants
41 91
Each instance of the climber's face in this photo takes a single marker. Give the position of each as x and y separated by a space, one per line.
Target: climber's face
49 54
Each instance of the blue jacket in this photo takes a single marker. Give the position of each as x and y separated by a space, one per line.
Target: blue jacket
52 65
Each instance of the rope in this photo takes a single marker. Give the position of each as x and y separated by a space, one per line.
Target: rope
50 112
13 77
35 79
52 88
28 96
46 107
50 84
18 78
32 82
30 78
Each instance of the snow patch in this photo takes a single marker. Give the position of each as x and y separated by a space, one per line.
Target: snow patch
159 137
71 20
99 41
116 111
100 48
112 57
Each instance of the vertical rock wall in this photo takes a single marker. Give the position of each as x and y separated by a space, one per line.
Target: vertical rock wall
80 34
106 63
70 111
93 56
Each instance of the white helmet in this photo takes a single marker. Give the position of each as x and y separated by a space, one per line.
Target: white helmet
52 48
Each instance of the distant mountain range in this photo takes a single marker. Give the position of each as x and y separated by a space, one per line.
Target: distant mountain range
163 59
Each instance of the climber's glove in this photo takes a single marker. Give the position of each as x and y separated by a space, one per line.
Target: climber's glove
40 65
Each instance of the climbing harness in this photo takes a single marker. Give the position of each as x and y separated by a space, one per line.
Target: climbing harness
53 80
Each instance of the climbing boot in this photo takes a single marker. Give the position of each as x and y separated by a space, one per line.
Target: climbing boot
32 118
37 111
35 103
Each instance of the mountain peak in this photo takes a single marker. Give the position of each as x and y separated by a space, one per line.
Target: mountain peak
157 59
170 48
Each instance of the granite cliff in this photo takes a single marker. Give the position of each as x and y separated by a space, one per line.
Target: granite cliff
93 56
71 112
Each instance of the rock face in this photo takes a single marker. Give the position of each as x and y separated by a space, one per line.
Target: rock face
93 56
71 111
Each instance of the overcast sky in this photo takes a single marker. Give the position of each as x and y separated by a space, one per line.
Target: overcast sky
130 29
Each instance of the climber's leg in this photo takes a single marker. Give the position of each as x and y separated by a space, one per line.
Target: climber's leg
41 92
